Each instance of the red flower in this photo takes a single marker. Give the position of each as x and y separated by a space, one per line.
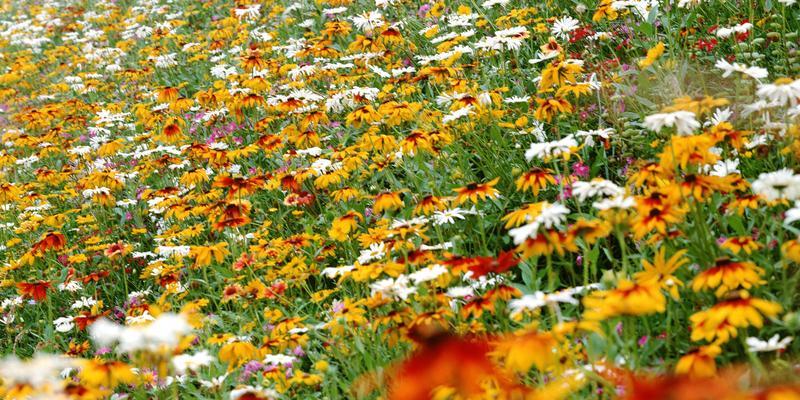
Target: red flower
707 45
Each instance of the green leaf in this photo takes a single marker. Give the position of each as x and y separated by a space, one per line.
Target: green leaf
646 28
735 222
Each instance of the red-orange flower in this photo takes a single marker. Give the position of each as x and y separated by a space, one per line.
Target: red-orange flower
35 290
50 241
239 185
682 387
445 361
233 215
483 265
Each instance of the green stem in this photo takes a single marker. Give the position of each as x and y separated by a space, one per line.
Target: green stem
624 248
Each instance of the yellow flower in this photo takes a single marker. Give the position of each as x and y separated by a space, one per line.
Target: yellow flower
720 322
195 177
727 275
344 225
108 373
628 298
219 338
237 352
203 255
535 180
362 115
396 113
475 191
437 9
698 106
548 108
321 365
387 201
589 230
429 204
791 250
737 244
605 10
523 215
558 73
661 271
345 194
688 150
652 55
520 352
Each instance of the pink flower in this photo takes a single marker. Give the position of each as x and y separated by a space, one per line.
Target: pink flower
580 169
102 350
423 10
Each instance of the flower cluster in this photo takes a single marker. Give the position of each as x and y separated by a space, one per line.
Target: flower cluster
446 199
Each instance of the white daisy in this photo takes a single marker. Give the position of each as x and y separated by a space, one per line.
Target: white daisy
368 20
683 121
448 216
596 187
756 345
780 184
780 93
547 150
563 26
728 68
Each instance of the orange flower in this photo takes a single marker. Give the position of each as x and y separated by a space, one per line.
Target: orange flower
699 363
115 250
252 60
476 306
429 204
387 201
86 318
684 387
168 94
172 132
535 180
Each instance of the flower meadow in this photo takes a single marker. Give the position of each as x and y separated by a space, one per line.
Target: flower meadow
401 200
